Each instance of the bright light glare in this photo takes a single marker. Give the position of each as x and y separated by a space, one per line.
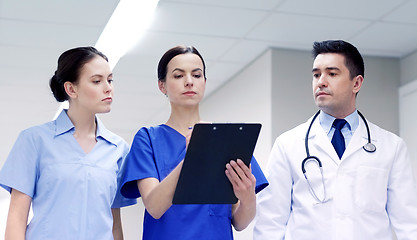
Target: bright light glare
123 31
126 26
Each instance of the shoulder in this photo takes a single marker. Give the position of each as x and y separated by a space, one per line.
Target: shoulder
35 137
117 140
112 137
145 135
382 134
151 132
39 131
294 133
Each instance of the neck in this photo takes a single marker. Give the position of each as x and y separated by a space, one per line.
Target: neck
339 113
84 122
183 118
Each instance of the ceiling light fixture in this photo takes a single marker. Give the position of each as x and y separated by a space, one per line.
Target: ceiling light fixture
126 26
123 31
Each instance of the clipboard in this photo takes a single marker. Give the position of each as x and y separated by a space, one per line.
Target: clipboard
202 178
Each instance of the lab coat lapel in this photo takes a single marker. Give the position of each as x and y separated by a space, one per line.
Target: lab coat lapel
320 144
358 140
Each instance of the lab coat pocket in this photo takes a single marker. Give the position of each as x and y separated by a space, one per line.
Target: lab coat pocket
371 188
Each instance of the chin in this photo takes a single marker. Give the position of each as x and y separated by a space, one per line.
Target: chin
106 110
323 107
320 104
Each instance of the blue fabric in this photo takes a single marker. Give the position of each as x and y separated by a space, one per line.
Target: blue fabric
72 192
326 122
155 152
338 140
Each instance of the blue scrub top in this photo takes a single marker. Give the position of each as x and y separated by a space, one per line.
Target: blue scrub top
72 192
155 152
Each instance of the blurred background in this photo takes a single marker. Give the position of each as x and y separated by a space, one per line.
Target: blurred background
257 55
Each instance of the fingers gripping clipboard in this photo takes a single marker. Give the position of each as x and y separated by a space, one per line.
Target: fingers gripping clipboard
212 145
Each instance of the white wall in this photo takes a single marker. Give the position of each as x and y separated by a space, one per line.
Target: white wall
408 116
408 99
245 98
378 98
292 98
408 68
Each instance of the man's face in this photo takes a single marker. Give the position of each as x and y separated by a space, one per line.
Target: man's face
334 91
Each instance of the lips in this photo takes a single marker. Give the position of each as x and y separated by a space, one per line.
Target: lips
107 99
189 93
321 93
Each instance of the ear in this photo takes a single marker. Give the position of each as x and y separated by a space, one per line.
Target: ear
357 83
70 89
162 88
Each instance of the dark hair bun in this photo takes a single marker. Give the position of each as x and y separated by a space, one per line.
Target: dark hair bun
57 88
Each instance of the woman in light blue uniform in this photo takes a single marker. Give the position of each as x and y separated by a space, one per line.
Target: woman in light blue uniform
68 169
156 156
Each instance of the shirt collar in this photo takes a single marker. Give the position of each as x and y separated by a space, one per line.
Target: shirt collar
326 121
63 124
104 133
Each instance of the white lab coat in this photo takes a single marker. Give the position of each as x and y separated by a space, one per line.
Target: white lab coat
368 194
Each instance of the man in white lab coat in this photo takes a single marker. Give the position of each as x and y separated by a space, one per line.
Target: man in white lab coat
360 193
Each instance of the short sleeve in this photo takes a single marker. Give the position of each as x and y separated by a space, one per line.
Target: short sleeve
261 181
139 164
119 200
20 171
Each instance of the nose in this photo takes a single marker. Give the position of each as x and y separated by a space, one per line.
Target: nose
189 81
108 87
322 81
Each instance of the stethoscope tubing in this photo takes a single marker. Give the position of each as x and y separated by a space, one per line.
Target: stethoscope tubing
369 147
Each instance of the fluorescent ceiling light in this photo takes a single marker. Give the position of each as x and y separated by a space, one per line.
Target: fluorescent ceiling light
126 26
124 29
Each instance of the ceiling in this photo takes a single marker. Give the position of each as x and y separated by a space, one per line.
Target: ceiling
230 34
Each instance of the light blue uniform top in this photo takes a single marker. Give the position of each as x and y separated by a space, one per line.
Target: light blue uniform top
72 192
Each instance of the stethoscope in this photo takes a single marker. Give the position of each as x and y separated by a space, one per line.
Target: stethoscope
369 147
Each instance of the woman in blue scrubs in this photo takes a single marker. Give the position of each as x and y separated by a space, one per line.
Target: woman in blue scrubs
156 157
67 169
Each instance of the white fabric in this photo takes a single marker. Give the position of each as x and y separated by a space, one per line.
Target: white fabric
368 194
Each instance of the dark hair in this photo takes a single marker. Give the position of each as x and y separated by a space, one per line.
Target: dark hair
353 59
170 54
69 67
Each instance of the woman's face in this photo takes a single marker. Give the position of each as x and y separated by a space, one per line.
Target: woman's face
184 83
94 89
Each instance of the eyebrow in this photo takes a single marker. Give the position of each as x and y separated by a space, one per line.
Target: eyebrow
99 75
181 70
328 68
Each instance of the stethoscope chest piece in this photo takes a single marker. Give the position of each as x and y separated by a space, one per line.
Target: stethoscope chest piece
369 147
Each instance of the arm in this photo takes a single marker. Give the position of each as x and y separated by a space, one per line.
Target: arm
18 216
274 202
402 195
117 224
243 182
157 196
